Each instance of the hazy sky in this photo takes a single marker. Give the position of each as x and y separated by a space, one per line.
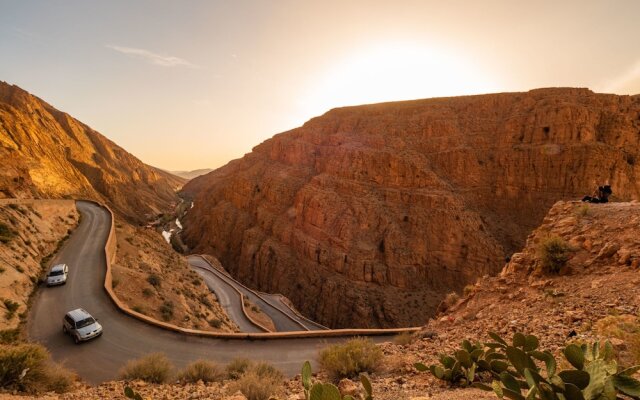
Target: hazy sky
194 84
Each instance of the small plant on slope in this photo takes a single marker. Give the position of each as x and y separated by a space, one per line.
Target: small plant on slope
554 253
328 391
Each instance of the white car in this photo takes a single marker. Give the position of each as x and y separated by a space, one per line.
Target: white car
58 275
81 325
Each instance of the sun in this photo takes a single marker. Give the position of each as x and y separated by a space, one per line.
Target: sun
393 72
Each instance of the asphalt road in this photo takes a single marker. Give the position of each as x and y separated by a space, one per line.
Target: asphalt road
229 299
284 319
125 337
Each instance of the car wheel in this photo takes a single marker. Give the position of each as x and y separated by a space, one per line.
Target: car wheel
76 339
64 329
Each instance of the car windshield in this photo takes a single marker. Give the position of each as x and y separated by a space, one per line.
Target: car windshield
85 322
56 273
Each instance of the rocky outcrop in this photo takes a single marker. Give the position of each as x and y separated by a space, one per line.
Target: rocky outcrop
47 153
367 215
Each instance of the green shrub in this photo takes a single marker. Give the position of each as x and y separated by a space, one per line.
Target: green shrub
166 310
351 358
154 280
11 307
237 367
27 368
255 387
554 253
152 368
202 370
6 233
215 323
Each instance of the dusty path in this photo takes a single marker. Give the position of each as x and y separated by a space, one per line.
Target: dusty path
124 337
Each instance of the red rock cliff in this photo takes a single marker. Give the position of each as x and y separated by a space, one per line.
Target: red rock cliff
367 215
47 153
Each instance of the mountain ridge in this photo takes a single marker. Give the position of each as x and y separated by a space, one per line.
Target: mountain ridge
48 153
398 203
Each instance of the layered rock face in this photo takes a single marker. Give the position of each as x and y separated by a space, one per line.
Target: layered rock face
366 216
47 153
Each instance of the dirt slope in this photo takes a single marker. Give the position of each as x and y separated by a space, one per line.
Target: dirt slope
367 215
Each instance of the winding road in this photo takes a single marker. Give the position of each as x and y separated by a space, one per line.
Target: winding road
125 337
227 288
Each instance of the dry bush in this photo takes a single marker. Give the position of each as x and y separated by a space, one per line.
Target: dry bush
256 387
152 368
404 339
626 328
40 374
554 253
266 370
237 367
349 359
201 370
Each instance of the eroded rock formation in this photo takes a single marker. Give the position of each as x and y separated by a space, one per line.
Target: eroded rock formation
47 153
367 215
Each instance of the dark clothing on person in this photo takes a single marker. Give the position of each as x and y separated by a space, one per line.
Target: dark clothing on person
600 196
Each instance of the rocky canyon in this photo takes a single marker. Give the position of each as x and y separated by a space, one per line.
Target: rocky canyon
367 216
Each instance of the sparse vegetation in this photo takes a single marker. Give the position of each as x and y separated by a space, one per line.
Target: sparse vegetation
139 309
404 339
583 210
6 233
237 367
9 336
166 310
11 307
449 301
146 292
254 387
626 328
153 368
215 323
28 368
154 280
349 359
554 253
266 370
202 370
468 290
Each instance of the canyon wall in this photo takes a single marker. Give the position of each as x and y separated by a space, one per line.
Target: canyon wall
47 153
367 216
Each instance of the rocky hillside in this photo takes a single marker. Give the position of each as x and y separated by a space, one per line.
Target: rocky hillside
30 233
367 215
47 153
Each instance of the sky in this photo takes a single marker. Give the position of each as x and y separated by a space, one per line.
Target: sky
193 84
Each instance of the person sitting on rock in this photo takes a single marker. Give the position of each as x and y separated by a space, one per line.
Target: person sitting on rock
601 195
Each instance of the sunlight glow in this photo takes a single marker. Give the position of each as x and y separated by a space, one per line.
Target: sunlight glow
395 71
